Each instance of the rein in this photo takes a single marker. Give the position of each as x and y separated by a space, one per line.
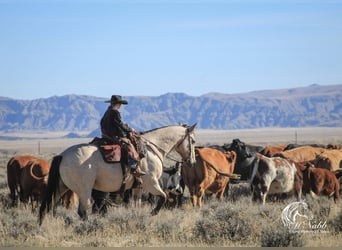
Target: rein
173 159
149 143
189 144
163 150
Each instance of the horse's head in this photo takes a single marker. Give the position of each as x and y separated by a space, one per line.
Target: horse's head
186 146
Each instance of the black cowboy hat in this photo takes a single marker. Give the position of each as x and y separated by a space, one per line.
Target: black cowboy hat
117 99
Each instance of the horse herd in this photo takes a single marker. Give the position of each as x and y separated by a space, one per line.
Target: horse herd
78 173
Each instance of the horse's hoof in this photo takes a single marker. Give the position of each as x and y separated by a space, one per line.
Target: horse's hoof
154 212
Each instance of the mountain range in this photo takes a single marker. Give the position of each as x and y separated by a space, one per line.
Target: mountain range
314 105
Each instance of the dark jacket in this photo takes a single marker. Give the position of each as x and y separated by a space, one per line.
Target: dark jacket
112 125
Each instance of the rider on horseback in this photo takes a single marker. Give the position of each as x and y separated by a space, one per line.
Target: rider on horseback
113 128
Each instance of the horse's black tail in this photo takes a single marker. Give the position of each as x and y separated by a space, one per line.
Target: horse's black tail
52 187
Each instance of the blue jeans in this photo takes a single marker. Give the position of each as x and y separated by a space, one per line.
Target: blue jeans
132 163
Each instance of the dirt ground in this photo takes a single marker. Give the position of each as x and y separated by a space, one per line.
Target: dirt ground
52 142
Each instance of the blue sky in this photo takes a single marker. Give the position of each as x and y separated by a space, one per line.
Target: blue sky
133 48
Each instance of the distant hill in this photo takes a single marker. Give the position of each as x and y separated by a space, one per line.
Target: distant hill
314 105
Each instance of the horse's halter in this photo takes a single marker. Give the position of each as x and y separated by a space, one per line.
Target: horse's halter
190 144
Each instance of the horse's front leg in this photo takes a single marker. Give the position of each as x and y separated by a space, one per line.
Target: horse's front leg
151 185
160 203
137 193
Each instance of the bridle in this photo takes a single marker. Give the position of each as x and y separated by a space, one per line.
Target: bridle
186 136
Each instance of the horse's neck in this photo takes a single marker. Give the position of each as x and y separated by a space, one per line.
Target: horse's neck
163 139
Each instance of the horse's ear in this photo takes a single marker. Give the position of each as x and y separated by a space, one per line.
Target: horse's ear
192 127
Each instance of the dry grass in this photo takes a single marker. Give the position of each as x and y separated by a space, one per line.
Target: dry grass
235 222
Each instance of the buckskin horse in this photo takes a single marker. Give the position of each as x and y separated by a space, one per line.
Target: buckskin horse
81 168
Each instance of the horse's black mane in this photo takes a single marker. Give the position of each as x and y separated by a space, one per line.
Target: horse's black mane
154 129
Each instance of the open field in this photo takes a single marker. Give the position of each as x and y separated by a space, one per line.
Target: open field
267 136
235 222
51 142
